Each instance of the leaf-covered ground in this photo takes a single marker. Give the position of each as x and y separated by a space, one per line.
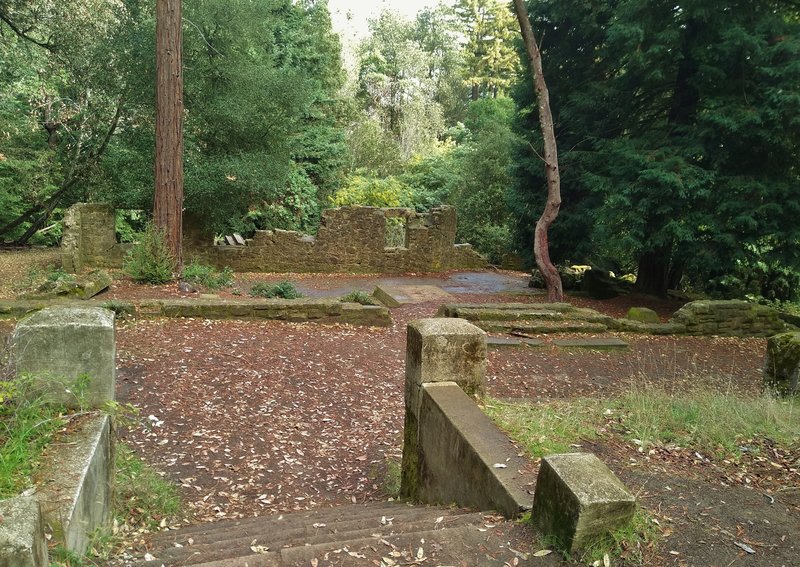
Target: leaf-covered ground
255 418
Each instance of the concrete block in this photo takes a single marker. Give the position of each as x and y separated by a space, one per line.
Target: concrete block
22 542
578 500
446 350
57 345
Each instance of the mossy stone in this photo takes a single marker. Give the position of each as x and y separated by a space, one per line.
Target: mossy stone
643 315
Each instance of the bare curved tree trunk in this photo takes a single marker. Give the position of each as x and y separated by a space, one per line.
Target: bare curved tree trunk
541 248
168 198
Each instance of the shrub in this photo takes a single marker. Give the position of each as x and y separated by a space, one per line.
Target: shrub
150 260
207 276
358 296
283 289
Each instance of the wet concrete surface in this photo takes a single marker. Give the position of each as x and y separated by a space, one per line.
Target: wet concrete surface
459 282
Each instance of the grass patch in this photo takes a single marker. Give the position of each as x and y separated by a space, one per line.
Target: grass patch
358 296
283 289
544 429
142 497
27 425
207 277
629 543
706 420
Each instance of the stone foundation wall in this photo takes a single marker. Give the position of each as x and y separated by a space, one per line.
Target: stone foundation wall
350 239
728 318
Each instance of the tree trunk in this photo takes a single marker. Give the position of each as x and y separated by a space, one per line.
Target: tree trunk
541 249
168 197
476 93
653 274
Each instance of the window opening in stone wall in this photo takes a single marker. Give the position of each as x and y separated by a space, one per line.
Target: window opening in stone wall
396 233
129 224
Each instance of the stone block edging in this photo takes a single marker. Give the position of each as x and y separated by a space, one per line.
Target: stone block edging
296 310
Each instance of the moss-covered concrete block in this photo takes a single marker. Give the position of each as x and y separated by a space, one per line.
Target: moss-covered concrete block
643 315
782 364
578 500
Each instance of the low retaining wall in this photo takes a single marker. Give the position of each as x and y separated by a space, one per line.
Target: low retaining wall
74 482
295 310
74 485
729 318
459 447
721 318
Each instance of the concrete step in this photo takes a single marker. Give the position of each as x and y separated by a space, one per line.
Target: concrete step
330 536
234 543
204 533
541 327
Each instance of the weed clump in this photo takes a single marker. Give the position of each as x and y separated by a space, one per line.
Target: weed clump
150 261
283 289
206 276
358 296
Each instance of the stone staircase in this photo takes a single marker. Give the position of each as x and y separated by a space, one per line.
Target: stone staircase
382 534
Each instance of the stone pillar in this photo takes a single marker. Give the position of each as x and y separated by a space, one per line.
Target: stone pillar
69 353
71 251
437 350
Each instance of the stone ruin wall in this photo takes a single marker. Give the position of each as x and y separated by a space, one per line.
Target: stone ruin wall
350 239
89 239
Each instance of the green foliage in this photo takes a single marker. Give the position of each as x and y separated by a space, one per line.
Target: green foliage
374 192
61 97
474 176
283 289
150 261
491 61
675 155
359 296
206 276
396 84
128 223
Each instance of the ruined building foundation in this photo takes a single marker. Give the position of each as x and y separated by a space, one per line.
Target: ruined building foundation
350 239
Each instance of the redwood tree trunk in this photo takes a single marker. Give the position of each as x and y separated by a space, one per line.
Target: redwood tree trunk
168 197
653 273
541 250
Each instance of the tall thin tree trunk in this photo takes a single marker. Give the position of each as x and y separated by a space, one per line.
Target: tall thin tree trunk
168 197
541 249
